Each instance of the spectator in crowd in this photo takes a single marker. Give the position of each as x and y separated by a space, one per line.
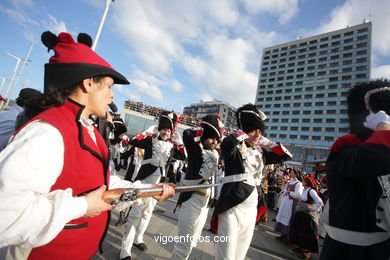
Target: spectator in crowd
304 226
290 198
12 118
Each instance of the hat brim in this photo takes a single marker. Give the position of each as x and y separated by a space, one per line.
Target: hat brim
72 73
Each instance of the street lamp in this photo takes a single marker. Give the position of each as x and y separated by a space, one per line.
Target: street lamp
18 60
3 80
108 2
20 71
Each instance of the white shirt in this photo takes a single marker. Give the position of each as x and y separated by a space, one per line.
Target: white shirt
317 200
31 215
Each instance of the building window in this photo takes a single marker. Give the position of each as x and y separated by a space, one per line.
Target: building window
362 30
361 45
347 55
363 37
361 60
361 52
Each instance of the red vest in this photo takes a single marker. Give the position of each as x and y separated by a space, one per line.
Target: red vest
85 169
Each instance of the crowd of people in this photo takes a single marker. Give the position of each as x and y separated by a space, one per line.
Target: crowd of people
65 149
156 112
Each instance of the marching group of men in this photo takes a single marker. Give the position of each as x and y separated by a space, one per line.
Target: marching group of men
55 168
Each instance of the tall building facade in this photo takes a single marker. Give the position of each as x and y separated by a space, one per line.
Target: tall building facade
204 108
303 85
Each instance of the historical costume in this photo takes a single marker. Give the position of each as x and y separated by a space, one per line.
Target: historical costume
357 215
157 154
304 226
57 159
289 200
202 169
236 210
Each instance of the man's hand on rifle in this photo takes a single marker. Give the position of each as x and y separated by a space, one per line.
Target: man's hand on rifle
168 191
96 204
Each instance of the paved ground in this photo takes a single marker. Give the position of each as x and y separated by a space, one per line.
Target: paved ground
264 246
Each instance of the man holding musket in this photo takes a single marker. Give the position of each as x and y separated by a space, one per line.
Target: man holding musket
160 143
245 153
200 144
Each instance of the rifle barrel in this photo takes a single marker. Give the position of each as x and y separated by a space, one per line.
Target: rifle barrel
177 189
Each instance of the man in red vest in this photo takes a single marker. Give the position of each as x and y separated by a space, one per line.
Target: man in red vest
55 168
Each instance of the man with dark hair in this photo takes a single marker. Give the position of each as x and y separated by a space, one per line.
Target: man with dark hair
160 143
357 215
200 143
55 168
15 116
236 211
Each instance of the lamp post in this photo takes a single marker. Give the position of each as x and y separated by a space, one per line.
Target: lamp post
3 80
108 2
20 72
18 60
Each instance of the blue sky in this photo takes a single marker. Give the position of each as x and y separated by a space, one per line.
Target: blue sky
178 52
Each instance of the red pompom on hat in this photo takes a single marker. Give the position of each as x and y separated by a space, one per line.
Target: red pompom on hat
75 61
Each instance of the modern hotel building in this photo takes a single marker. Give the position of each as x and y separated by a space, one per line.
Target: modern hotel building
303 85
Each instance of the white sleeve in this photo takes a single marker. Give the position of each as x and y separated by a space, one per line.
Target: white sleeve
317 200
31 215
297 191
116 182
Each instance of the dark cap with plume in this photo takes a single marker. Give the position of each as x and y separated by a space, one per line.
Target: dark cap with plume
119 126
75 61
212 127
250 118
167 120
363 99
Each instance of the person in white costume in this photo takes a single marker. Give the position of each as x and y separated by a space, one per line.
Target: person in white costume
200 144
289 200
236 211
159 143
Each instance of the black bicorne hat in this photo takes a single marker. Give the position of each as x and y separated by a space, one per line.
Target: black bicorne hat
250 118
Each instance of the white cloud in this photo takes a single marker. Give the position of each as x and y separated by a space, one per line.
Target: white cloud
56 26
127 92
176 86
206 97
19 3
286 9
354 11
381 72
18 16
216 46
151 79
148 89
227 77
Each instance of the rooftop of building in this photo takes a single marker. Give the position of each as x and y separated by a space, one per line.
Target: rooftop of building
365 24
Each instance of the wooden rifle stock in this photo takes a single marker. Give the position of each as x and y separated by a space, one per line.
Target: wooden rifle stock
116 196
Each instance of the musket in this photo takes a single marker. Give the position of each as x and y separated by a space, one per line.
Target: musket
116 196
